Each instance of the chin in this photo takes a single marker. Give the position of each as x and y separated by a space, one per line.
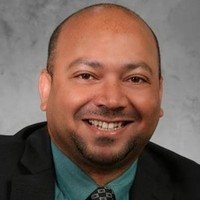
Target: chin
106 153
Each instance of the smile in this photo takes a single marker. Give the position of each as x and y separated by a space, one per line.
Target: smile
107 126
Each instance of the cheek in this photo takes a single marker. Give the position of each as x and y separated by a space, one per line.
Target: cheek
67 100
147 103
148 106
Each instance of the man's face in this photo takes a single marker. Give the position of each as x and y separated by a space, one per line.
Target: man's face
103 102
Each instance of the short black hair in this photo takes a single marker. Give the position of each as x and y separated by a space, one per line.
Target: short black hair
54 37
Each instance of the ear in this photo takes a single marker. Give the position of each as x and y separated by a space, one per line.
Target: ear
44 87
160 95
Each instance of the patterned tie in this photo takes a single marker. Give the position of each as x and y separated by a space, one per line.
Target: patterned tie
102 193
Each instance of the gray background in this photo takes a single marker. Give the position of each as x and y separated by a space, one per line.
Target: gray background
26 25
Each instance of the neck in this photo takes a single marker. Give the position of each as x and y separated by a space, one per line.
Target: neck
103 176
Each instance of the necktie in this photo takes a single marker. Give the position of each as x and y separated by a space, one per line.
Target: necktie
102 193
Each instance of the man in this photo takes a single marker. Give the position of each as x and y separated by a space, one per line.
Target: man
101 92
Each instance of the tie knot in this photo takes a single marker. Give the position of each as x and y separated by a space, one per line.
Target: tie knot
102 193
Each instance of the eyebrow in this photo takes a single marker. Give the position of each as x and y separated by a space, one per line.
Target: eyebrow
143 65
97 64
87 62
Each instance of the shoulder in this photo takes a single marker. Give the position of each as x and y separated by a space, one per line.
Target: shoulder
12 146
11 141
171 160
182 174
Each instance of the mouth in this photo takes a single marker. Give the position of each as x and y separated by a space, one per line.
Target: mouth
107 126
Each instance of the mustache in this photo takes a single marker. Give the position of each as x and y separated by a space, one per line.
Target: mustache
104 111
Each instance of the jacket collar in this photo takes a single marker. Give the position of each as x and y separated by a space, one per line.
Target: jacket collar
152 182
35 177
37 155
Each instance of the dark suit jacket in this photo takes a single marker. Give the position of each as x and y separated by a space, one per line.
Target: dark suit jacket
27 170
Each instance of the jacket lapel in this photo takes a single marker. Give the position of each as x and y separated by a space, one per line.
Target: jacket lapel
35 177
151 181
32 187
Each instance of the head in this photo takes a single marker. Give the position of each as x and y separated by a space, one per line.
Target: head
102 88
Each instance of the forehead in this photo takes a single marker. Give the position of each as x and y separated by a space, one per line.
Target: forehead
105 30
110 19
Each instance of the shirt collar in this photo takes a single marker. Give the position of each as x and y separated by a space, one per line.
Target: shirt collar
69 175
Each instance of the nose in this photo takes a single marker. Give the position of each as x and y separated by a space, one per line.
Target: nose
111 95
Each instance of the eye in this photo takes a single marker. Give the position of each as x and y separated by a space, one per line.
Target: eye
137 79
85 76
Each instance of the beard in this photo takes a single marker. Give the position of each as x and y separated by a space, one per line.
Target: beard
99 159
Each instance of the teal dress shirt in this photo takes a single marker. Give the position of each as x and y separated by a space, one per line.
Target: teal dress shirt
74 184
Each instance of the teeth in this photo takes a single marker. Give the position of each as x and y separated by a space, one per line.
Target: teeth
105 125
111 125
